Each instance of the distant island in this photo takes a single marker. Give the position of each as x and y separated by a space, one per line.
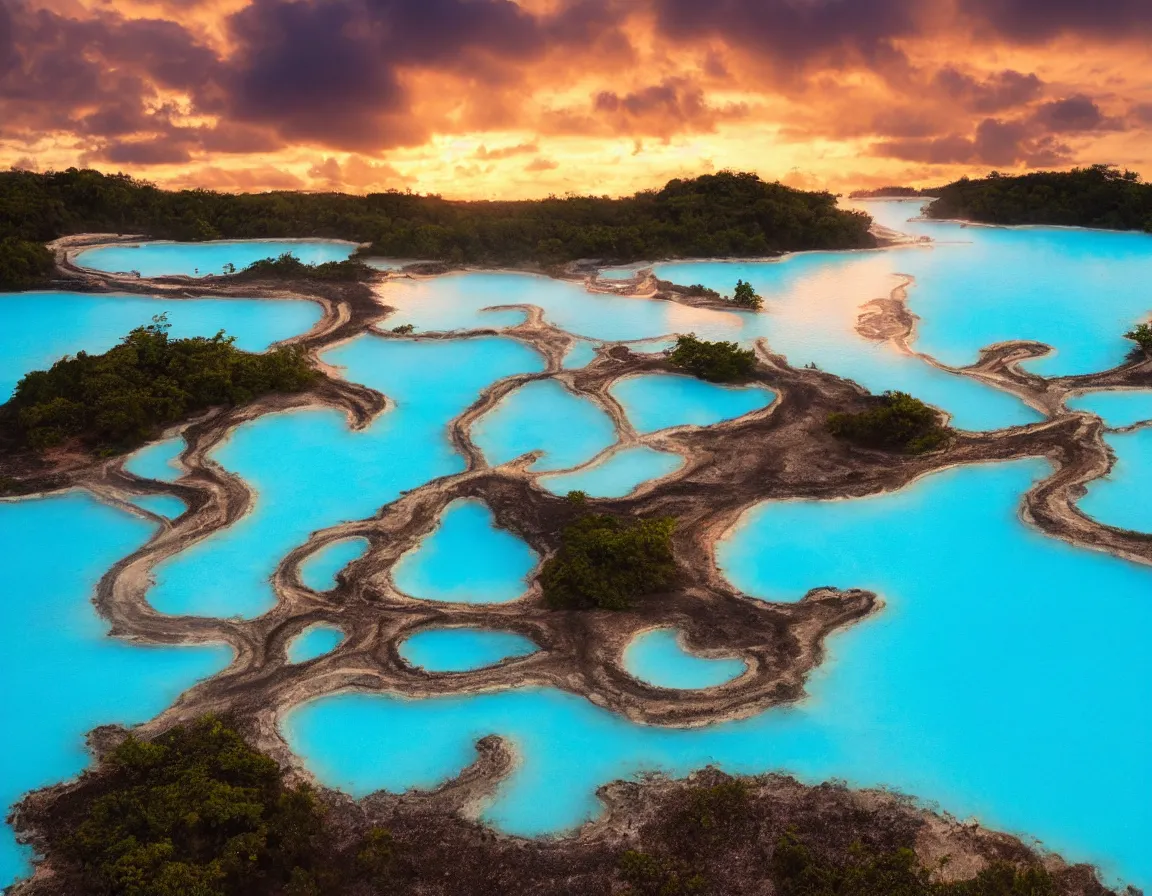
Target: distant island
722 215
901 192
1098 196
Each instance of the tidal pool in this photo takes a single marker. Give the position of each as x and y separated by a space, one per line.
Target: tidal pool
63 675
1116 407
544 416
288 459
581 354
314 641
163 258
659 658
987 687
1123 498
658 401
617 475
462 649
318 571
466 560
42 327
157 461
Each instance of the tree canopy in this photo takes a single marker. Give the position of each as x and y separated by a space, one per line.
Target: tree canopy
119 399
604 562
724 214
1097 196
288 267
745 296
895 422
719 362
23 263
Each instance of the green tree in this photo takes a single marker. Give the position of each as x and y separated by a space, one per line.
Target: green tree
746 297
895 422
1141 334
719 362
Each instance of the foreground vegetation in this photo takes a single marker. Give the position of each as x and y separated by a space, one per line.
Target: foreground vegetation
717 215
23 264
197 812
605 562
118 400
288 267
718 362
895 422
1141 334
1098 196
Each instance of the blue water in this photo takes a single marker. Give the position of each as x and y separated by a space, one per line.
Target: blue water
617 475
1124 497
658 657
462 649
42 327
289 459
581 354
62 675
1002 689
314 641
466 559
625 273
544 416
319 570
1076 290
1116 407
164 505
157 460
158 259
658 401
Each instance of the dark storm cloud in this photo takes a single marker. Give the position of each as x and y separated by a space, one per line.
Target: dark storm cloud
998 91
1075 113
1033 21
994 142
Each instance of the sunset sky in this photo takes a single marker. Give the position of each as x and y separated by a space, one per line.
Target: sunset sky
491 98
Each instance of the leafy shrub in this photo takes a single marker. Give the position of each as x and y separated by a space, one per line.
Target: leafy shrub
1141 334
23 263
289 267
120 398
745 296
896 422
700 290
719 362
604 562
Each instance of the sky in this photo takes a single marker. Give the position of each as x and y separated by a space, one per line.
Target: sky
500 99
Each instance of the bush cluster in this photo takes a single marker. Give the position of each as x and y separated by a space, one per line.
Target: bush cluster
895 422
717 215
604 562
119 399
1141 334
288 267
718 362
1097 196
23 264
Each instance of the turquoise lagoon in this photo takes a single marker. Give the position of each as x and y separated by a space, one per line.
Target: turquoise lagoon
319 569
659 658
162 258
1116 407
63 675
163 505
42 327
658 401
1123 498
544 416
616 475
462 649
288 459
466 559
157 460
1002 689
314 641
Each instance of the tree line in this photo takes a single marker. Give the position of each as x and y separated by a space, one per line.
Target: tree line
716 215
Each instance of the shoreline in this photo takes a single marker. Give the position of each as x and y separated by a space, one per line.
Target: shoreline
580 651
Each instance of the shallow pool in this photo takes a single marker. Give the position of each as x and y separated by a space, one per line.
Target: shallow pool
659 658
462 649
319 569
659 401
617 475
162 258
314 641
1124 497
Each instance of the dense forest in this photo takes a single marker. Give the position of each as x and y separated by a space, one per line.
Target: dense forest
1098 196
198 812
903 192
723 214
119 399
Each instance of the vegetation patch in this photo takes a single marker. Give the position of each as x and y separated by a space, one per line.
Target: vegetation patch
23 263
289 267
1097 196
744 296
604 562
1141 334
118 400
718 362
718 215
895 422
